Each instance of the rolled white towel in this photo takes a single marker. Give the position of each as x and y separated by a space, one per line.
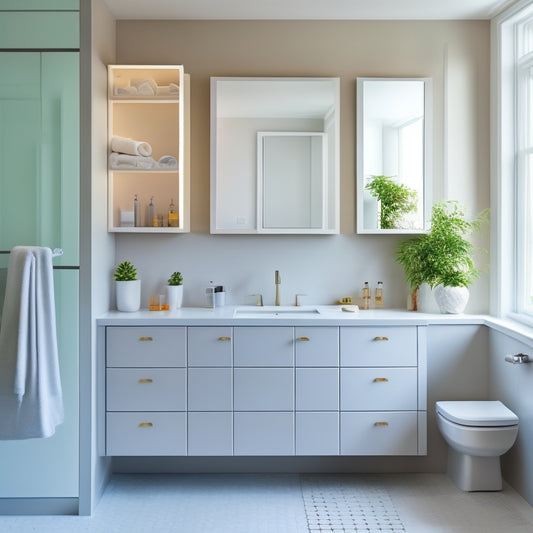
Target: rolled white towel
146 87
171 89
130 146
168 161
125 161
125 91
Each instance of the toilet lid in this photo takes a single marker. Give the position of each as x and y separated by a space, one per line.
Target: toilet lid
471 413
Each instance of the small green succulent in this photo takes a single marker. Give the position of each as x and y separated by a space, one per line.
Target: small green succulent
125 272
175 279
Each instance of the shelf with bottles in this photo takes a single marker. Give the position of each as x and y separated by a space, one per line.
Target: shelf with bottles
148 146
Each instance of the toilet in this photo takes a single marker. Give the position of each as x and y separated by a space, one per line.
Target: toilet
477 433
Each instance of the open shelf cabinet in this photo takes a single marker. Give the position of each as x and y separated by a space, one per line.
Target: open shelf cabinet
149 104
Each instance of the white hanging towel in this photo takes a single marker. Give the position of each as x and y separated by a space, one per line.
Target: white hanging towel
31 400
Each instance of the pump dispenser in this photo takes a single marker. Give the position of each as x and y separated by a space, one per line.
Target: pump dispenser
136 212
152 220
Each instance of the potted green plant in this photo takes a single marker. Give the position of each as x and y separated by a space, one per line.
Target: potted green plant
128 287
175 291
395 200
443 258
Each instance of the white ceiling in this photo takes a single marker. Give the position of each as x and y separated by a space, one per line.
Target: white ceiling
307 9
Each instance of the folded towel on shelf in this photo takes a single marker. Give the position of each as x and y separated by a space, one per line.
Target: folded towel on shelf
124 145
125 91
171 89
31 400
145 87
125 161
168 161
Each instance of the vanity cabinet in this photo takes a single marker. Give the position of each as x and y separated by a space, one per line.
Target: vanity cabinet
265 390
381 390
149 104
210 391
146 391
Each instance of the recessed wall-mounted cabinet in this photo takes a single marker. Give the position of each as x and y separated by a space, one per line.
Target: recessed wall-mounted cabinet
148 149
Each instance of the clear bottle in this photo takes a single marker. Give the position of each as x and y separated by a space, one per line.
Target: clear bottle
136 212
173 220
366 295
152 219
378 299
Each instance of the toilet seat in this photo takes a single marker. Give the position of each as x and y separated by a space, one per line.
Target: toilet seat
477 413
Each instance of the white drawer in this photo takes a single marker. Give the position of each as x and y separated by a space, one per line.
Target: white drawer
317 389
146 346
317 433
263 434
379 389
210 389
263 346
146 389
210 346
263 389
378 346
146 434
379 433
210 433
317 346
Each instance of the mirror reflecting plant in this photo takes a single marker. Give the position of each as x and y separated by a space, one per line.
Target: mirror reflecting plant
395 199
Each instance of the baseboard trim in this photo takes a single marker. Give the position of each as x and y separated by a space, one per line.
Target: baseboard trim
39 506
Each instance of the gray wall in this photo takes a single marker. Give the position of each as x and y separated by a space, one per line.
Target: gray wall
455 54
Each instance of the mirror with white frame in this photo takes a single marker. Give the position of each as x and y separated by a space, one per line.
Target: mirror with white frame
275 155
393 155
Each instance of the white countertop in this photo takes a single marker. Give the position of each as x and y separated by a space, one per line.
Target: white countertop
328 316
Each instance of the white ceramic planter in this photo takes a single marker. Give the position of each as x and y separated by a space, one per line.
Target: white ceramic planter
426 299
174 296
451 300
128 295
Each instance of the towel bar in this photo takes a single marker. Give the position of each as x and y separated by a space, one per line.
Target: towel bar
519 358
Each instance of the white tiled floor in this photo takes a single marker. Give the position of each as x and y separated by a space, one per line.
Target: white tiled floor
414 503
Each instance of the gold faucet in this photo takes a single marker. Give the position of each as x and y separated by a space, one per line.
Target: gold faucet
277 279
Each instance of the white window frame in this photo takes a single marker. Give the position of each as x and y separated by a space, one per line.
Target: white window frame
506 210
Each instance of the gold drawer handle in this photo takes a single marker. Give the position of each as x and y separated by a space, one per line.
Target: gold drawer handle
381 338
381 424
381 380
303 339
224 338
146 380
145 425
142 339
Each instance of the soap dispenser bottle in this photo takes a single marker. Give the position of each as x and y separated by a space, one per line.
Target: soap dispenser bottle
378 300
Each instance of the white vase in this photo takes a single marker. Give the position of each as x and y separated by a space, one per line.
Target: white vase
128 295
174 296
451 300
426 299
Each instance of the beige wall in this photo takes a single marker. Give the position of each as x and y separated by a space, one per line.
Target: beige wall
454 53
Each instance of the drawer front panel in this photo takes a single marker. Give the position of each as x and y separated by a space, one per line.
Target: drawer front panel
210 389
210 433
263 346
146 434
146 346
379 389
317 389
317 433
378 346
146 389
317 346
264 389
210 346
264 434
379 433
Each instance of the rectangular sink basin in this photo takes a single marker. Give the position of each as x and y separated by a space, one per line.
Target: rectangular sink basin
274 311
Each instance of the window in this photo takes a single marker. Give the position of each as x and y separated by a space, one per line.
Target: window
513 162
